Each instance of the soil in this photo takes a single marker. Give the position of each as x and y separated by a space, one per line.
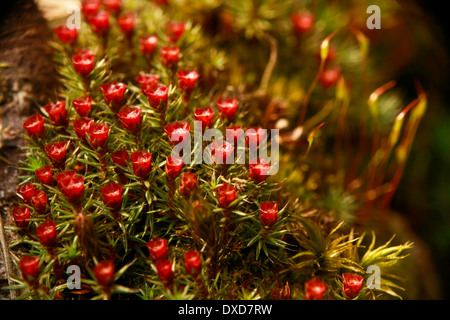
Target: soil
26 82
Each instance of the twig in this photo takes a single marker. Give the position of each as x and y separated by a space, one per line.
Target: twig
359 156
392 142
324 47
308 95
310 141
5 252
406 144
270 64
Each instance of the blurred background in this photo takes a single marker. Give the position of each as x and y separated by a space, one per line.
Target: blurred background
424 193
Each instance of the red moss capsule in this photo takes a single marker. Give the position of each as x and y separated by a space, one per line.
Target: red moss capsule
157 247
254 136
145 80
205 116
147 44
352 284
126 23
57 112
112 195
174 30
21 216
71 185
173 167
98 135
258 172
113 6
83 61
187 80
165 271
66 35
46 232
131 118
157 94
193 263
227 108
104 273
39 201
81 126
99 23
90 7
329 77
26 191
83 106
315 289
57 152
222 152
188 184
113 93
268 213
141 162
120 157
302 22
34 126
234 135
29 267
227 194
45 174
170 55
177 131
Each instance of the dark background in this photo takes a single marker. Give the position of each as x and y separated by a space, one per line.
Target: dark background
425 188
